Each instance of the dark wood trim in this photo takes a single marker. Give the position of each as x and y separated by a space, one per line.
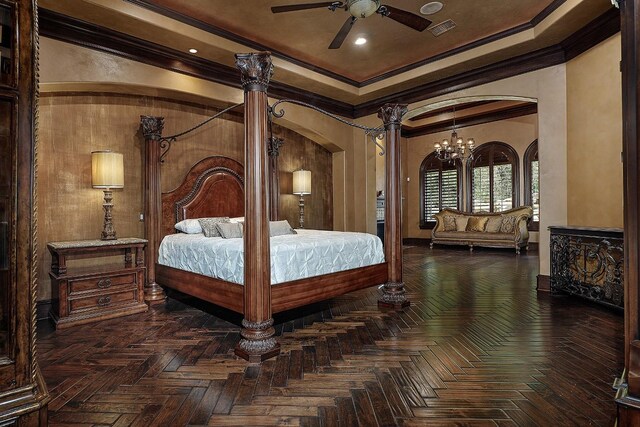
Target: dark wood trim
415 241
472 120
529 154
592 34
543 283
546 12
630 66
70 30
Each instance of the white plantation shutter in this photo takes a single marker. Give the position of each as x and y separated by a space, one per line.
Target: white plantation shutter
439 186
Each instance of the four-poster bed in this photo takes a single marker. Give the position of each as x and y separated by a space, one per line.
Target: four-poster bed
221 187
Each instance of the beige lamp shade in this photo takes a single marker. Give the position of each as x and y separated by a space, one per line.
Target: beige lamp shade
107 169
302 182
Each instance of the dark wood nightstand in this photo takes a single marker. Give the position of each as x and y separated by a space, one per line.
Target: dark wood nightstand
97 292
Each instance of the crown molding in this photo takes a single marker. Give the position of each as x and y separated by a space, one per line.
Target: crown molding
71 30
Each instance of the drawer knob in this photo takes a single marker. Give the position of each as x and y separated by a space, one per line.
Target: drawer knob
104 283
104 301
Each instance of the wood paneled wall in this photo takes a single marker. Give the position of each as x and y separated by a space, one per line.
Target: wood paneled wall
74 125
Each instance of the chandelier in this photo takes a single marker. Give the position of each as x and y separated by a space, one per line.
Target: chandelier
454 149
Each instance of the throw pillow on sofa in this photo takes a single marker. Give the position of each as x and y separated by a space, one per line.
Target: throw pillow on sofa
461 223
493 224
449 223
477 223
508 224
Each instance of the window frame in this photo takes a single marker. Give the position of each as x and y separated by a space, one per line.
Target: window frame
428 161
512 155
530 155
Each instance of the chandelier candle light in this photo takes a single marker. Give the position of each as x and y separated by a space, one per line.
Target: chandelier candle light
107 172
301 186
456 149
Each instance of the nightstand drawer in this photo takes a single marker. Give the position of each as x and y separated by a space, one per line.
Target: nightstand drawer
103 300
103 283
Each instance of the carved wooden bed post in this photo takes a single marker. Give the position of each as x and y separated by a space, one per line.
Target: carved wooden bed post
257 343
393 293
152 132
274 176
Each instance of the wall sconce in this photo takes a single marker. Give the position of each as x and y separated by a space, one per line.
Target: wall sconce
107 172
301 186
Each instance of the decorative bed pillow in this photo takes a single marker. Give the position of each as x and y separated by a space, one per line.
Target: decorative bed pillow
237 219
189 226
508 224
279 228
449 222
493 224
209 225
229 230
461 223
477 223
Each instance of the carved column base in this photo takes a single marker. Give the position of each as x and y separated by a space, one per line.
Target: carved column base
154 294
257 343
393 296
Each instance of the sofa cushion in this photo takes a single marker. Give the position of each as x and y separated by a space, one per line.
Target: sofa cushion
461 223
493 224
508 224
449 223
477 223
476 236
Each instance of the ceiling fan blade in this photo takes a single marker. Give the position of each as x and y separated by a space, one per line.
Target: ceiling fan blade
342 34
305 6
409 19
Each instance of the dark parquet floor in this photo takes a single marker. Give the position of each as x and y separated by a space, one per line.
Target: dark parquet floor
478 347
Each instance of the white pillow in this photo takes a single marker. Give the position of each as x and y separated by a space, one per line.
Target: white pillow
237 219
189 226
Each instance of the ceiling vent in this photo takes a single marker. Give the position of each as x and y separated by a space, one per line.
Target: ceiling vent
442 27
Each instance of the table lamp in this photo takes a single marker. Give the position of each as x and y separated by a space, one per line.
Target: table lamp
107 172
301 186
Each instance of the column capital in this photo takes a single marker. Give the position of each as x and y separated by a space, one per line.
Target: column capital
152 127
255 69
391 114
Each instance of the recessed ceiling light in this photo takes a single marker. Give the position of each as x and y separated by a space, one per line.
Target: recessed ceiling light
431 8
192 50
360 40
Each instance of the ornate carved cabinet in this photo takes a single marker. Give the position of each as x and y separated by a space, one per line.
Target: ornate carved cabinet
588 262
23 395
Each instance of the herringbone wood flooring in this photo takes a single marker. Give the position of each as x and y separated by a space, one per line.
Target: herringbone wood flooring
477 347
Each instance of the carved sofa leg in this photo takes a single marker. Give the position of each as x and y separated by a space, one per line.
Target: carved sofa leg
470 247
431 245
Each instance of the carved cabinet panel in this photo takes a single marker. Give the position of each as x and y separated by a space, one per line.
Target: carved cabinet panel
588 262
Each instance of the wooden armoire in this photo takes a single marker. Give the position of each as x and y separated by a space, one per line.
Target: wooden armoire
23 394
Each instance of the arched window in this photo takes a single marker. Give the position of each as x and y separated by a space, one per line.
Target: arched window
440 187
493 178
532 183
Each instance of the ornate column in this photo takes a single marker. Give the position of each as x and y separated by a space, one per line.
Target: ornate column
152 132
274 176
257 343
393 293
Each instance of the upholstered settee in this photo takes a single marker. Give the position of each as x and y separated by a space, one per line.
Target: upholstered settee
507 229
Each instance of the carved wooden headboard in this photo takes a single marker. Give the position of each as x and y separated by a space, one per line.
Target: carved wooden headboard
213 187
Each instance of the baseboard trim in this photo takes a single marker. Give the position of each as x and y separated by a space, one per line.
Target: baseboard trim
415 241
43 308
544 284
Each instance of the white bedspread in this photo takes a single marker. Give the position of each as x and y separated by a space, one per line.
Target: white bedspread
293 256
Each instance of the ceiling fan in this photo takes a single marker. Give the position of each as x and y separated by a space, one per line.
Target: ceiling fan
359 9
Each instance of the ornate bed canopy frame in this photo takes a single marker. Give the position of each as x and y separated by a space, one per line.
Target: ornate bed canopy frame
259 298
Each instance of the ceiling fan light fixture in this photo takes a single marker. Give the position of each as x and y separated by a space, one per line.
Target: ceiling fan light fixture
362 8
431 8
360 41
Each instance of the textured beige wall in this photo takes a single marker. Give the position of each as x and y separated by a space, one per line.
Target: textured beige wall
518 132
71 126
594 137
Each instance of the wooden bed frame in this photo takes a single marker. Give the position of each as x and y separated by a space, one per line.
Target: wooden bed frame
219 186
